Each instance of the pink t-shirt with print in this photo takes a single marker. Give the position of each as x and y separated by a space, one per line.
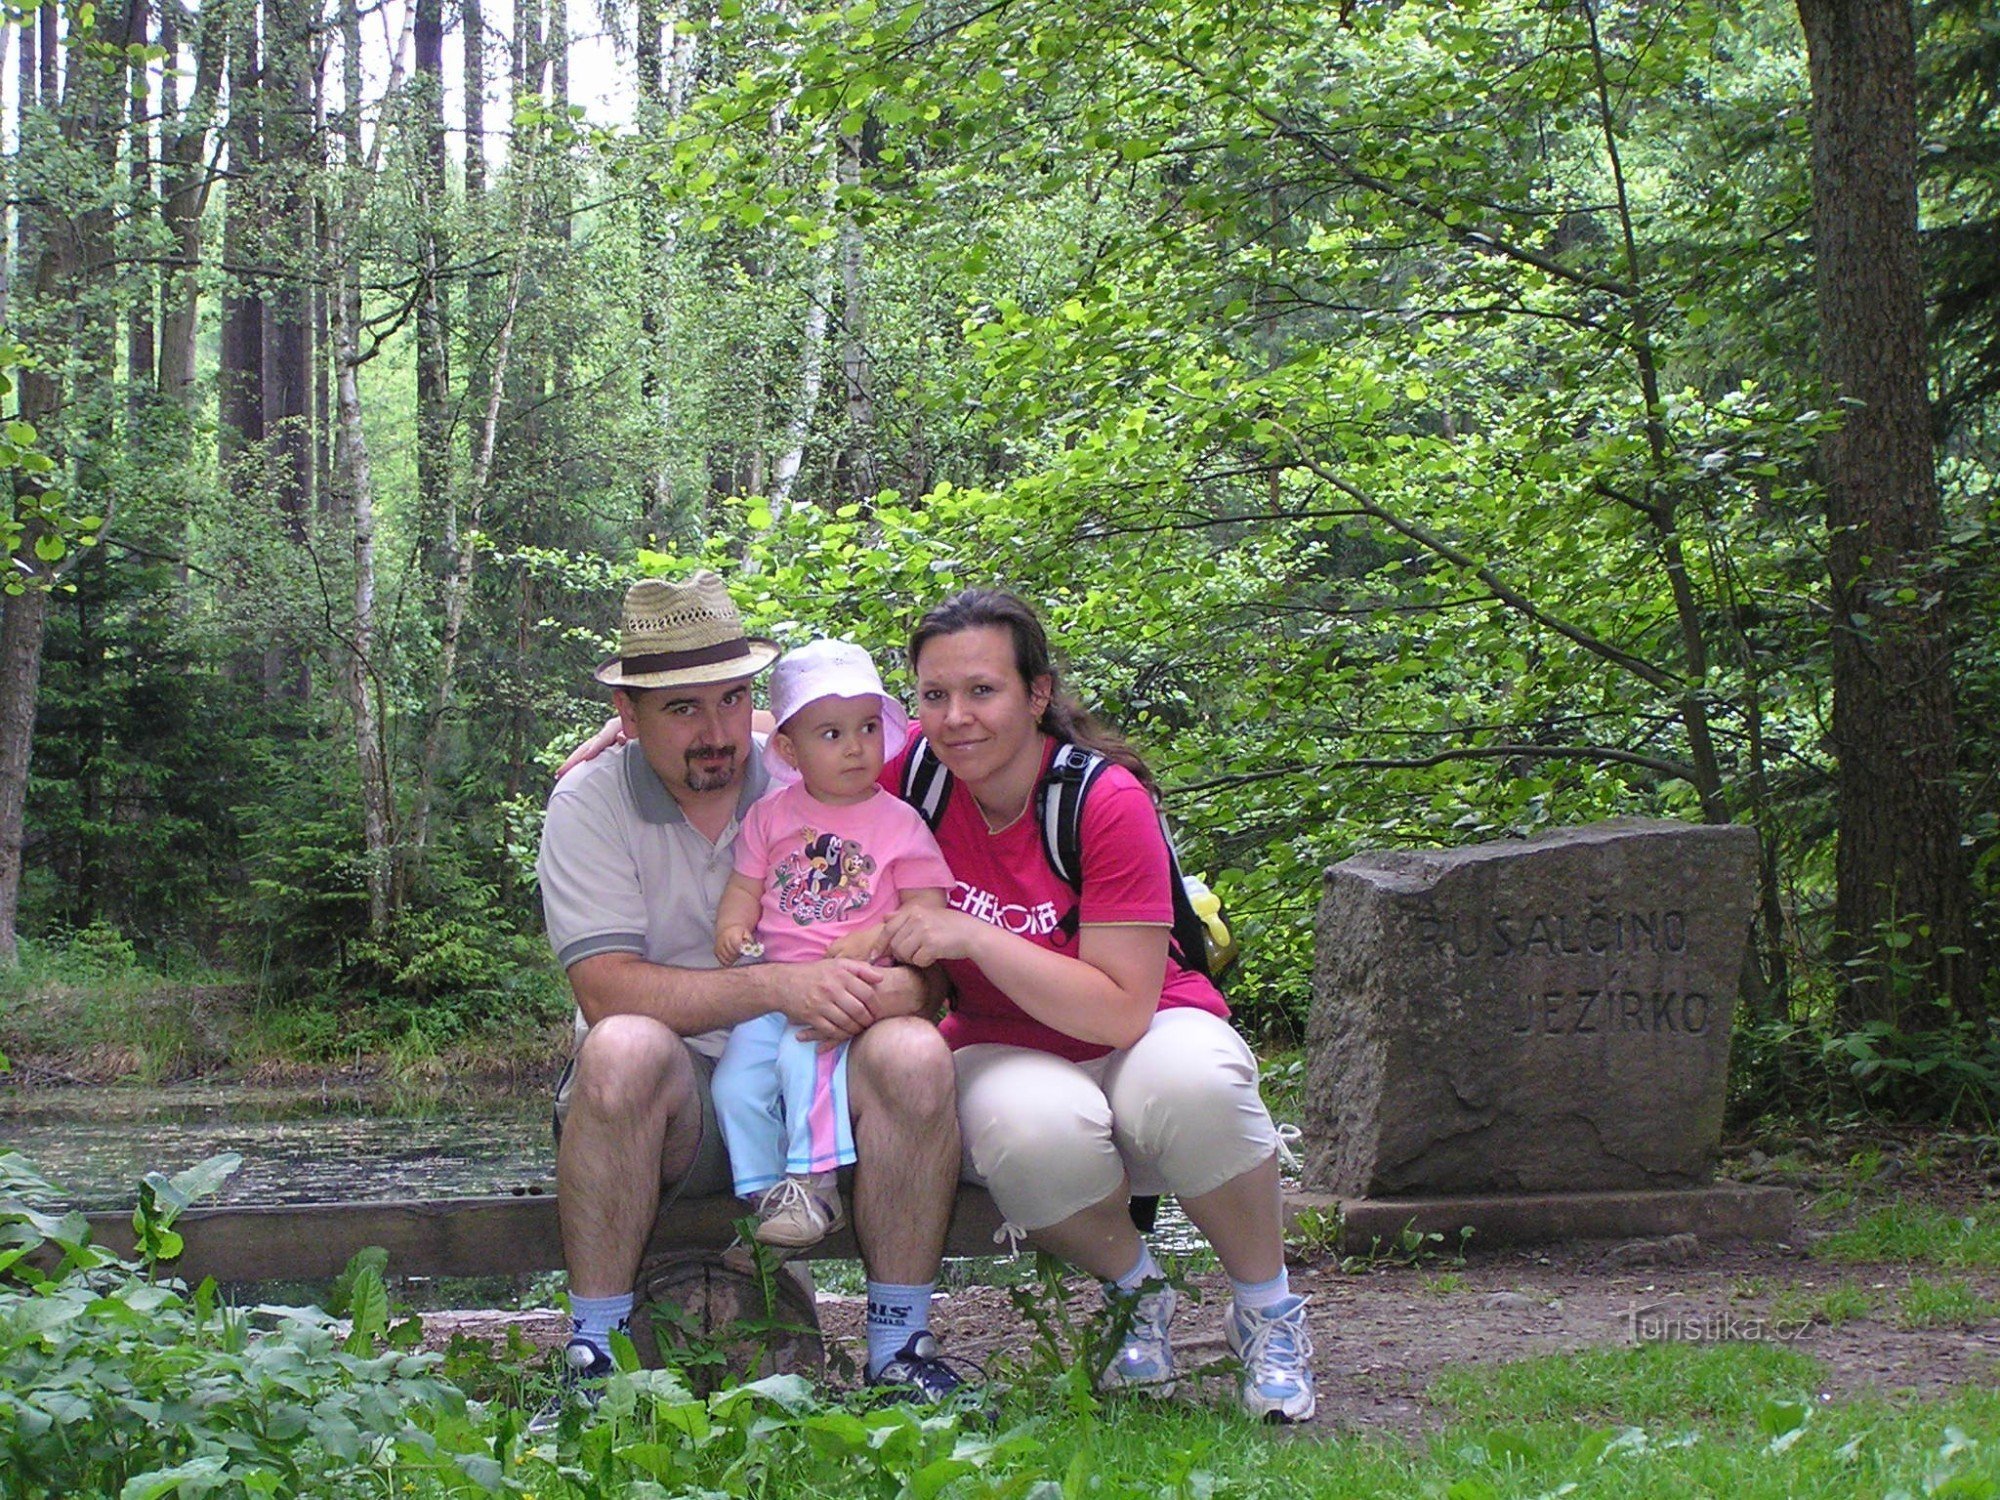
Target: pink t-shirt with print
1004 879
827 870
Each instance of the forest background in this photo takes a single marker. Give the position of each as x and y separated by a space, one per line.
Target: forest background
1421 424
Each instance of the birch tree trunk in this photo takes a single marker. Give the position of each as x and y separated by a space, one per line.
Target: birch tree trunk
458 585
858 469
354 479
812 358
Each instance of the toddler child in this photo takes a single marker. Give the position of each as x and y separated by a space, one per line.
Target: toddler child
820 861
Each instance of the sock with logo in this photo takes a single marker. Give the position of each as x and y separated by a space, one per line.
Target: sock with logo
595 1319
896 1314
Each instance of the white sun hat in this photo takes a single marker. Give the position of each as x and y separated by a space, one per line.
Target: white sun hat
829 669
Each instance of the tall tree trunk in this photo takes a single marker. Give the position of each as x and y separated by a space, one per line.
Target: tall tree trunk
186 175
458 586
49 91
1899 872
812 359
433 362
239 378
473 15
7 198
858 470
289 237
656 309
473 319
23 624
561 207
139 389
61 314
354 481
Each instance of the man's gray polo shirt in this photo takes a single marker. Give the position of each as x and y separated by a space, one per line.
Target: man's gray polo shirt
623 871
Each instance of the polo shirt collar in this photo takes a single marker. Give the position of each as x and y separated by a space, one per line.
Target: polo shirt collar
656 804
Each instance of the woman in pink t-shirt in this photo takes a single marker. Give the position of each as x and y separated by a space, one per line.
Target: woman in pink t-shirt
1090 1064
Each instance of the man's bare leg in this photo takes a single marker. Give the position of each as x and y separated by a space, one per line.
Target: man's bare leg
634 1120
903 1096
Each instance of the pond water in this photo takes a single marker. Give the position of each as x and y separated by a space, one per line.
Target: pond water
310 1147
95 1144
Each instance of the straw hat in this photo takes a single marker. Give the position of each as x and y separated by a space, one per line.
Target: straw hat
681 634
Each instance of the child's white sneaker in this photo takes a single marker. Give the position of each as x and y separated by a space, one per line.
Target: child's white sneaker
796 1212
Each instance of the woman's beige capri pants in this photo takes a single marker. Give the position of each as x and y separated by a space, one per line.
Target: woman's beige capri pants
1176 1112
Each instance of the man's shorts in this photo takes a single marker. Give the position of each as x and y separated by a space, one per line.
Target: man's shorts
710 1173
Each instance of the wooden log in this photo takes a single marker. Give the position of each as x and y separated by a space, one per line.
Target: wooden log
457 1237
515 1235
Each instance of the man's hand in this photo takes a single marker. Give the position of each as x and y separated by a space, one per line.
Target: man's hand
829 1000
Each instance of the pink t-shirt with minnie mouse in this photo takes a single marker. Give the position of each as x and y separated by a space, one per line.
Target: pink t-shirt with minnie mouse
829 869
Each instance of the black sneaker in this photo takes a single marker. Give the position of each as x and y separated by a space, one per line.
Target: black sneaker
921 1372
584 1370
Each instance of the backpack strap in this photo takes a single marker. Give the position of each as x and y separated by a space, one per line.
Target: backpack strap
1059 809
1189 934
926 783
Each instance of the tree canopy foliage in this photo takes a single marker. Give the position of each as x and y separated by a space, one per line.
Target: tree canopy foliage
1411 417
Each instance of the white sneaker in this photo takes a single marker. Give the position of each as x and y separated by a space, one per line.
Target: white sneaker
1145 1358
1275 1348
799 1211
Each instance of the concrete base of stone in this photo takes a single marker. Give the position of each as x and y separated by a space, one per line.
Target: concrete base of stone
1720 1211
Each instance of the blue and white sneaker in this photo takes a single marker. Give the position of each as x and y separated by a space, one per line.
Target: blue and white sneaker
1275 1349
585 1368
1144 1360
918 1372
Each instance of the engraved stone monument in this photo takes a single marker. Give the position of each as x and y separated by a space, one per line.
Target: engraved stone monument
1548 1015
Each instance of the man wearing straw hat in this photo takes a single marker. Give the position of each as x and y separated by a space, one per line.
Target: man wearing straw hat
635 853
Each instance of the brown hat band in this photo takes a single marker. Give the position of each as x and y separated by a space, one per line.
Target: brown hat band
674 661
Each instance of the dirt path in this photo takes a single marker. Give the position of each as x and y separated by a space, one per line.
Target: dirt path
1382 1335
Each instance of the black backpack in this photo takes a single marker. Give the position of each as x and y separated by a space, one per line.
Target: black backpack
1058 807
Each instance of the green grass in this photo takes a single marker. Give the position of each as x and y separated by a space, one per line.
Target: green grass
1665 1421
1655 1382
1952 1303
90 1007
1843 1302
1911 1232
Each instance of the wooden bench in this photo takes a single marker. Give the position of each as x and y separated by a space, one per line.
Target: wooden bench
459 1236
519 1234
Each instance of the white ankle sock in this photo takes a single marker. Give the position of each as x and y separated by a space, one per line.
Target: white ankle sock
1261 1296
1143 1270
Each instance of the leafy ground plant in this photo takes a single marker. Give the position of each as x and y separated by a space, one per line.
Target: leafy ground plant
114 1381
